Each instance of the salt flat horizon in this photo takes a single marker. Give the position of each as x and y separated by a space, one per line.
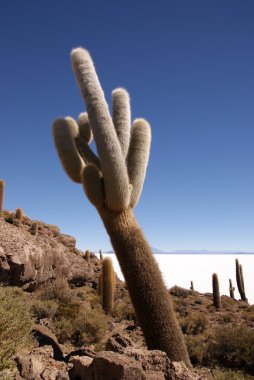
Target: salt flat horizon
181 269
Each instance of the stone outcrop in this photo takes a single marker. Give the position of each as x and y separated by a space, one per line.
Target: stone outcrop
133 364
28 261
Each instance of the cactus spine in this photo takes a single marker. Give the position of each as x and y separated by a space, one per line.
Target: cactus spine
114 186
2 184
240 281
231 290
216 292
108 285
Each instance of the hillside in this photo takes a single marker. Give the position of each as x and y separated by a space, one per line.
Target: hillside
53 322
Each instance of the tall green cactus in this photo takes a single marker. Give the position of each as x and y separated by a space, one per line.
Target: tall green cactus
108 285
240 280
216 292
113 183
2 184
231 290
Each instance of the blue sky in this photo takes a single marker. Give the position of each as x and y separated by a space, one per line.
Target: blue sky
189 68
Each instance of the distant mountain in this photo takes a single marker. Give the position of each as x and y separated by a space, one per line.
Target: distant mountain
157 251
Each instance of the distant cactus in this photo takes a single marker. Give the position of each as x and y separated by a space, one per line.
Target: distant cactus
34 228
231 290
108 285
216 292
113 183
101 254
191 286
240 280
2 184
19 214
87 255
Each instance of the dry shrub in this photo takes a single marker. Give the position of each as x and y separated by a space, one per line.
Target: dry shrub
194 324
177 291
57 290
43 309
15 327
232 347
218 374
79 325
196 346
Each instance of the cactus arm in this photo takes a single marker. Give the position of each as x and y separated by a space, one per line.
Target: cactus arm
86 152
121 116
93 186
64 132
138 156
112 162
150 298
85 130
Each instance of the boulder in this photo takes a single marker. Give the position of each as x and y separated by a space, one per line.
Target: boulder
38 364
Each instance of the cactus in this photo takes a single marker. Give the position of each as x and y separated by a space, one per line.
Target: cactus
34 228
113 183
191 286
101 254
18 217
231 290
2 184
216 292
19 214
99 286
240 281
108 285
87 255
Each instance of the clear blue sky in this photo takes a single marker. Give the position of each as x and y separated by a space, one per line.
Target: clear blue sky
189 68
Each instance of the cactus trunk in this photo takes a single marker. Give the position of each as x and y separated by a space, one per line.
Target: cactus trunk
216 292
150 298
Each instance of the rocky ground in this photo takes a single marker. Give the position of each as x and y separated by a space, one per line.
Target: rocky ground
48 282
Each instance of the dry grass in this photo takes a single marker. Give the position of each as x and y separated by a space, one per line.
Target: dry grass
15 327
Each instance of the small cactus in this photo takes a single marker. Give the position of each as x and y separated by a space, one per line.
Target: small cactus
191 286
231 290
19 214
87 255
34 228
216 292
108 285
240 280
2 184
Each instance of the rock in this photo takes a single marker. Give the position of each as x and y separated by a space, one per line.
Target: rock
38 364
45 337
28 261
118 343
113 366
82 368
